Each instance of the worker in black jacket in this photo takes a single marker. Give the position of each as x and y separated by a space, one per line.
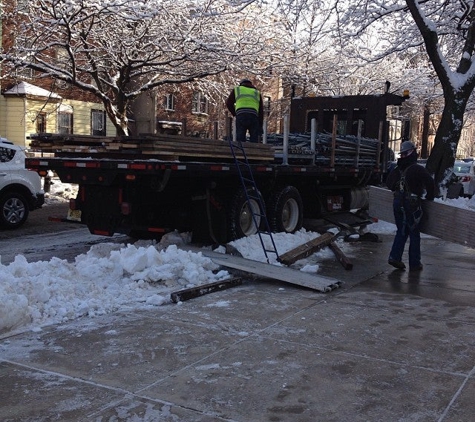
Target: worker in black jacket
410 182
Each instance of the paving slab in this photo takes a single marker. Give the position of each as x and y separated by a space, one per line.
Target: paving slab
274 380
388 345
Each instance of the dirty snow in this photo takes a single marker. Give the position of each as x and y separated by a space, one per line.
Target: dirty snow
114 276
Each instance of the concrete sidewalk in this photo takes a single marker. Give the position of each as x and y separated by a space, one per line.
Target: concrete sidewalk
388 346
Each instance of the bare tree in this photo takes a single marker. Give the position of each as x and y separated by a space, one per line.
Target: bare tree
446 30
118 49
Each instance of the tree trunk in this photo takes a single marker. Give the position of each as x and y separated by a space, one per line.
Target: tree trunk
119 119
425 132
442 156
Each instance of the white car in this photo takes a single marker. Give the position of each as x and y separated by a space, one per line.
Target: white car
465 172
20 189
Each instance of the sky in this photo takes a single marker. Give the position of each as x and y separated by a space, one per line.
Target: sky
112 277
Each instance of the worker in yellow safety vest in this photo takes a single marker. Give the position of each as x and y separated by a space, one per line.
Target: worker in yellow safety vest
245 102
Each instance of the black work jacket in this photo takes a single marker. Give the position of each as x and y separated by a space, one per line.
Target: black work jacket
418 179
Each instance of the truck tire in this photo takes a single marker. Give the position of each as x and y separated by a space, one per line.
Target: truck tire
13 210
285 210
240 222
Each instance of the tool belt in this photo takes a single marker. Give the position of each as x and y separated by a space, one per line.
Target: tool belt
411 208
407 197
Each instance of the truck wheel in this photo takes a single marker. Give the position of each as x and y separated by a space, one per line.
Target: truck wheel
13 210
240 220
285 210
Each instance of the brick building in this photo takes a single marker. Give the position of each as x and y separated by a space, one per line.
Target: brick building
29 104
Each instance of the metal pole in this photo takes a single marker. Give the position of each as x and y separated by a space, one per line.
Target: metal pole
285 156
234 129
313 137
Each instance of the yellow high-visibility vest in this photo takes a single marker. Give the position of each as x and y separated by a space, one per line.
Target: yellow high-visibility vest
246 98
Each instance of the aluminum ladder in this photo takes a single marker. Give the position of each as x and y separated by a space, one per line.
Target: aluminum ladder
248 183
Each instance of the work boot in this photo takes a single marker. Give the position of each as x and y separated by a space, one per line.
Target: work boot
416 268
396 264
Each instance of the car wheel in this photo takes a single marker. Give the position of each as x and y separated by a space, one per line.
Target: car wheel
13 210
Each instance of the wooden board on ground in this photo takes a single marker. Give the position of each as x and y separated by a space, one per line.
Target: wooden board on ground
342 258
299 278
456 225
305 250
203 289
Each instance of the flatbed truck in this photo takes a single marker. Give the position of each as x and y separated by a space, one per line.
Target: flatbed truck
152 184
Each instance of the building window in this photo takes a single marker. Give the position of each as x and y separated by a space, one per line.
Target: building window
41 123
23 47
98 122
22 6
199 104
169 102
65 120
24 73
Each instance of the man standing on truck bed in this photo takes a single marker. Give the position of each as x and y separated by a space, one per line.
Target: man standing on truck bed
245 102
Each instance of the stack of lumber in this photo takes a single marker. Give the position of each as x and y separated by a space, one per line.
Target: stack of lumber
160 146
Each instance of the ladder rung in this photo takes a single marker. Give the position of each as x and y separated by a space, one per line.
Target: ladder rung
248 183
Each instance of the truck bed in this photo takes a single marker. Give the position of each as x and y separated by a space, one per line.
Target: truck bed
343 152
157 183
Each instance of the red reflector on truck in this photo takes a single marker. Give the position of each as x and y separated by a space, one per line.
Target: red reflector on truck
81 164
136 166
156 230
219 168
102 233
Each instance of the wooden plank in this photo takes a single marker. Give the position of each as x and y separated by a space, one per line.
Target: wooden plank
203 289
176 146
211 155
151 144
299 278
342 258
456 225
187 140
305 250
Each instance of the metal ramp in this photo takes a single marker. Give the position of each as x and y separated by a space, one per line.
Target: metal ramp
315 282
253 196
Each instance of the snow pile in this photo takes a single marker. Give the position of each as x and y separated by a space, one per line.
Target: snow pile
459 202
107 278
60 192
250 248
111 276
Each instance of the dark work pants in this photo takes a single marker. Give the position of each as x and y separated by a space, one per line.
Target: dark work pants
406 228
247 122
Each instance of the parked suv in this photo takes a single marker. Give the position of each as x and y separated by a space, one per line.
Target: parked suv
20 189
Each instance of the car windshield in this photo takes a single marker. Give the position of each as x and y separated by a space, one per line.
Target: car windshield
461 168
